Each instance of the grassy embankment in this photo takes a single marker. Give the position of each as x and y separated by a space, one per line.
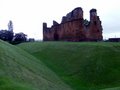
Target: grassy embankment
84 66
21 71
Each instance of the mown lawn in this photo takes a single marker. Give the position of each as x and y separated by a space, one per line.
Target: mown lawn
21 71
82 65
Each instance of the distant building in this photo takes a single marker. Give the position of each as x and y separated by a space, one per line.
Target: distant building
74 27
114 39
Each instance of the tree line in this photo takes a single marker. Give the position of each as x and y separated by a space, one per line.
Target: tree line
11 37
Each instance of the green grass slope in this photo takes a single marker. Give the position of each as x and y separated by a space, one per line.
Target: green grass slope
84 66
21 71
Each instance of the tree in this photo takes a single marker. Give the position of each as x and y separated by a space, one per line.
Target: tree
10 26
86 22
19 38
6 35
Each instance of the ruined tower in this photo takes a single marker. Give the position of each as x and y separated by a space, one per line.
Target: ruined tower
95 28
74 27
46 32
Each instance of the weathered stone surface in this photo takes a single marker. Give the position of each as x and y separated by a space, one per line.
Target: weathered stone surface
77 13
55 23
74 28
64 19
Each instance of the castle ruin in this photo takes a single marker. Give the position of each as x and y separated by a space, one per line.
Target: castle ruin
74 27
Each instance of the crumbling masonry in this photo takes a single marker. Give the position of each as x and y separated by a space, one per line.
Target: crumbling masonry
74 27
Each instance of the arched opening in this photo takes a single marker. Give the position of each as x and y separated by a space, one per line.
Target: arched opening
56 36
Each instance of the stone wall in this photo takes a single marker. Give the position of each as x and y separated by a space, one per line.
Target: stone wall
74 27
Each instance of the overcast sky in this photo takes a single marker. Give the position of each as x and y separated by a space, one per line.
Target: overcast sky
28 15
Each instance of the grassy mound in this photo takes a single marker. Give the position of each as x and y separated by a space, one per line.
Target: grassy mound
84 66
21 71
10 84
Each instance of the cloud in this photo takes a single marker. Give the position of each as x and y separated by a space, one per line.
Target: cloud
28 15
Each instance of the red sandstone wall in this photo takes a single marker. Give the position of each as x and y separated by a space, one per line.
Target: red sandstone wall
72 28
70 31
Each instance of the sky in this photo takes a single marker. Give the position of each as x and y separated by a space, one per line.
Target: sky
28 15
